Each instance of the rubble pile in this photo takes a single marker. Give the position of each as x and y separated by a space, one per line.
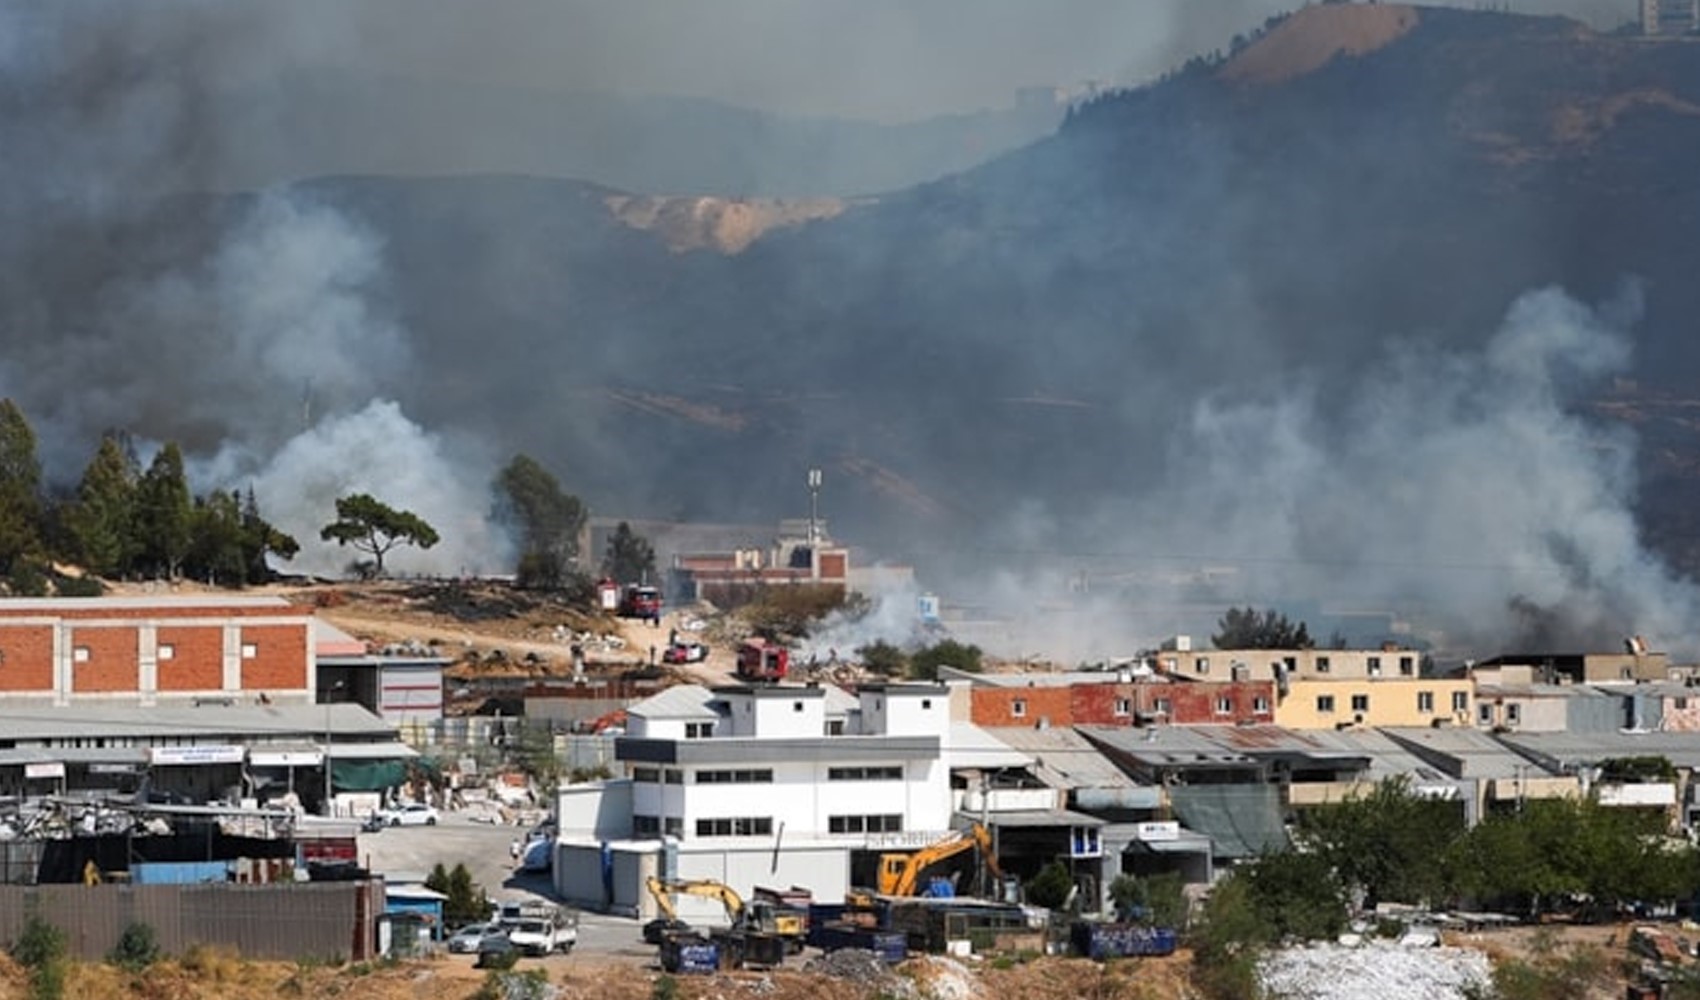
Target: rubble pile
865 969
1382 970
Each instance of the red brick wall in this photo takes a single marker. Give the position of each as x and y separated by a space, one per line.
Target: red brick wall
197 661
26 658
280 662
1194 703
832 565
113 662
995 706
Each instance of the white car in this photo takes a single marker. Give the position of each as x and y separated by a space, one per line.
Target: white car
466 940
411 814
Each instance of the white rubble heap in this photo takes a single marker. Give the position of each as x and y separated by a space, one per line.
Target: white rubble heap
1379 969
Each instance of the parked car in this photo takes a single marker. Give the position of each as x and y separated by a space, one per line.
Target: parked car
467 940
411 814
689 651
496 951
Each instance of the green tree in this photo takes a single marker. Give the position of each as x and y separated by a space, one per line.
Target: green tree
41 949
630 557
102 520
1050 888
375 528
1158 900
1386 843
216 554
1296 895
925 663
260 539
882 658
544 519
136 948
164 514
466 902
1245 628
20 487
1227 941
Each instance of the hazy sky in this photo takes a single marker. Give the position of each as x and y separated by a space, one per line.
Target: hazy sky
883 59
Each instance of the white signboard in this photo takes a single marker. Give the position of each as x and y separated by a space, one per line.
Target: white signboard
285 758
903 840
52 770
212 754
1169 830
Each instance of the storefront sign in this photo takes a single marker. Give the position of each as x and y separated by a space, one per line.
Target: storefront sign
213 754
50 770
1158 831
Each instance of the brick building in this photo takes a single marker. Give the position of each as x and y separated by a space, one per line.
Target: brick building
1088 698
153 650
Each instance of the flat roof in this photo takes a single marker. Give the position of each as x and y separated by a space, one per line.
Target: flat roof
1168 746
1042 818
133 603
968 745
1681 749
127 720
1463 752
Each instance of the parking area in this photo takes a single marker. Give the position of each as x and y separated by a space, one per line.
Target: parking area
410 852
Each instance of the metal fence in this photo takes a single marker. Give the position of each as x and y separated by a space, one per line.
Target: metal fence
323 920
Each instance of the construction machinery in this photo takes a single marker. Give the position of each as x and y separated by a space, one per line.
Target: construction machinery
900 874
753 923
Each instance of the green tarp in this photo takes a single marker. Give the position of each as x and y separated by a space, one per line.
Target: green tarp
1242 821
367 775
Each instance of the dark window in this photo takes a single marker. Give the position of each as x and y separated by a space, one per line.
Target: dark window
1360 703
881 823
646 826
1325 703
864 773
646 775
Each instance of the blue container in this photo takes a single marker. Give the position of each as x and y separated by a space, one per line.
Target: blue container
1101 941
179 872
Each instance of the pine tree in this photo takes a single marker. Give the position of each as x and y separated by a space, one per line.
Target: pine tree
102 519
165 514
20 486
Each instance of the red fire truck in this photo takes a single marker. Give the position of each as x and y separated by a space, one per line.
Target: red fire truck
760 660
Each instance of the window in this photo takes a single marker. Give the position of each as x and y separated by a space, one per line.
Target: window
1018 708
673 826
1322 665
1260 705
884 823
1425 702
646 775
1513 714
1360 703
1224 706
1375 666
1124 706
1484 713
926 704
796 706
1162 707
835 727
1201 665
80 654
250 650
762 776
673 776
1171 664
893 773
1325 703
736 826
646 826
166 651
1460 701
1407 666
698 730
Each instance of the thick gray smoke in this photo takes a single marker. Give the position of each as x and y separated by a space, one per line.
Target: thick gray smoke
1460 493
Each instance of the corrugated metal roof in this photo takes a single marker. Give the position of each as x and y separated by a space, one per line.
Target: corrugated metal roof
1681 749
970 746
1042 818
120 721
1062 758
685 701
1167 746
1469 753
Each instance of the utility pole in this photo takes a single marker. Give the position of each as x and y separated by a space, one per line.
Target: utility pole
814 511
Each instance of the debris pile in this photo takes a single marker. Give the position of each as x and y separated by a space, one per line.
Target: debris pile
1381 969
866 970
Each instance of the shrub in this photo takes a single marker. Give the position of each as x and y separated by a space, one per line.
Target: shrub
136 948
666 988
41 950
1050 888
215 963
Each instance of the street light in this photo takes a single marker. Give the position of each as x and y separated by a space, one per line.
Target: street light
330 693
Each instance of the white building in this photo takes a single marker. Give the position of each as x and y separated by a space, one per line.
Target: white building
772 786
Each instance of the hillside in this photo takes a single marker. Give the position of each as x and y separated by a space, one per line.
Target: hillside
1287 326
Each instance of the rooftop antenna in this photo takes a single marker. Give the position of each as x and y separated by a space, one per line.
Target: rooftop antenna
814 508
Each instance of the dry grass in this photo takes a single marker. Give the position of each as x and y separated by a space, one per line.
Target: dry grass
1314 35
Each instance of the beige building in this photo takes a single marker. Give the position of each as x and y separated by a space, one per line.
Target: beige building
1337 703
1292 664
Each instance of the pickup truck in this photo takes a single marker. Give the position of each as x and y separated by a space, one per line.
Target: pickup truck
539 928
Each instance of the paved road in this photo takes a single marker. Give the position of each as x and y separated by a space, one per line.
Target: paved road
411 852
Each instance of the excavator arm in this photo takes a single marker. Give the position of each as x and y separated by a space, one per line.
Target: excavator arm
900 874
664 890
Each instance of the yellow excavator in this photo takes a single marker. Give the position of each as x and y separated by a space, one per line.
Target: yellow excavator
756 916
900 874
